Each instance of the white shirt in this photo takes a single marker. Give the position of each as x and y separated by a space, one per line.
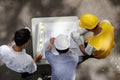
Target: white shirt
89 49
17 61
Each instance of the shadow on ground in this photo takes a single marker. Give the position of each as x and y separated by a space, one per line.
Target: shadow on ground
116 3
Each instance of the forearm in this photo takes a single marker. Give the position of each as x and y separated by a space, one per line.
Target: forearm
37 58
82 48
88 50
51 43
49 46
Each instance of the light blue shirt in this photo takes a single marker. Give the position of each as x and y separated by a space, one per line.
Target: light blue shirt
63 65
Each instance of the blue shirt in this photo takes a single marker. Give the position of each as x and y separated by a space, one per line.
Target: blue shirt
63 65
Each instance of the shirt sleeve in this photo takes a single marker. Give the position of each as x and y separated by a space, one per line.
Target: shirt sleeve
49 56
81 30
89 49
32 67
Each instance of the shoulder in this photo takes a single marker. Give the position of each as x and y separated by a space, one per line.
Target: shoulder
28 56
105 21
28 59
5 53
74 54
107 24
4 48
48 53
75 57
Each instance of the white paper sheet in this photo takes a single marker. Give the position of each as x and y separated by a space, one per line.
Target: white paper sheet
52 28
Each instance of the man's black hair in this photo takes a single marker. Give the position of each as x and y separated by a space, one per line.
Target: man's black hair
22 36
62 51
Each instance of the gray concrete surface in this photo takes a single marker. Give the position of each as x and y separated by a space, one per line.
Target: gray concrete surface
16 14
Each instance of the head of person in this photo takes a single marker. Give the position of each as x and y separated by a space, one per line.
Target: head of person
22 37
62 43
88 21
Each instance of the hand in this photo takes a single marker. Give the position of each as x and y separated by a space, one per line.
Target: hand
52 41
77 38
11 43
37 58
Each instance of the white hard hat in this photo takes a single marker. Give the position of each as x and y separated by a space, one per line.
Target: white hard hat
62 42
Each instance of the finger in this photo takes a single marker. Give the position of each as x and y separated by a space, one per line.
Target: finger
40 56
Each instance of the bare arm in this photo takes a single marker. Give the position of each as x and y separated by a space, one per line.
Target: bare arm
37 58
82 48
51 43
88 50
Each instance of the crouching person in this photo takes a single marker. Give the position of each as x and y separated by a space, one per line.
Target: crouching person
15 57
63 65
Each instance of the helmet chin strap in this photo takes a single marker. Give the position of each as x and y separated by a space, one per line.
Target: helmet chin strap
97 31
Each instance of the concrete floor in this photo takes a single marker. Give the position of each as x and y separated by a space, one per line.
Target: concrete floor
16 14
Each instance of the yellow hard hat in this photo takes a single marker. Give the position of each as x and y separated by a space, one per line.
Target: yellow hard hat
88 21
